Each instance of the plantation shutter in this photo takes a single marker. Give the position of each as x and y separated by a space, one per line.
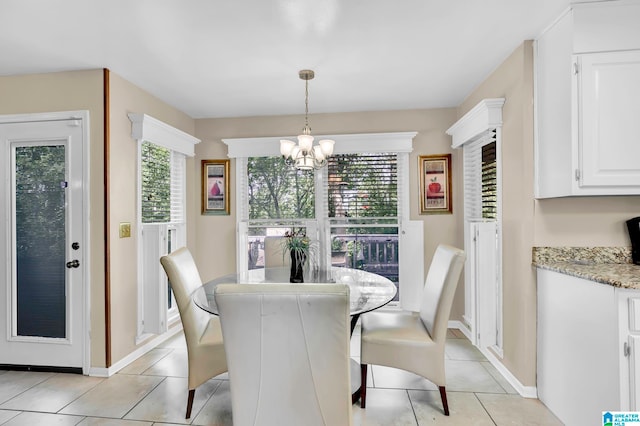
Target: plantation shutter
163 184
489 180
480 177
156 183
178 187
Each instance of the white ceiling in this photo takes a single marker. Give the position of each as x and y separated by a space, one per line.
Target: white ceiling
217 58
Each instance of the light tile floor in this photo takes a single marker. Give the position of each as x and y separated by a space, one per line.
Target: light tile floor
153 391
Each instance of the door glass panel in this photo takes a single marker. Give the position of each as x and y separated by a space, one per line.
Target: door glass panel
40 240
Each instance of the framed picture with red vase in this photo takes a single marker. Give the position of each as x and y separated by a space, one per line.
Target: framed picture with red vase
435 183
215 187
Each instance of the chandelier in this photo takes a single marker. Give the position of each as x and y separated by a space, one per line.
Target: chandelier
305 155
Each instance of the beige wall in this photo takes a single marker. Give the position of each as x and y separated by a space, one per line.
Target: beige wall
126 98
215 240
70 91
575 221
584 221
83 90
513 80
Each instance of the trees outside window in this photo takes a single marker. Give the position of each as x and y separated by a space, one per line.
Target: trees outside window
361 207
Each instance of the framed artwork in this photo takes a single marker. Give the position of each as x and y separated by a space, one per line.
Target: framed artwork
435 183
215 187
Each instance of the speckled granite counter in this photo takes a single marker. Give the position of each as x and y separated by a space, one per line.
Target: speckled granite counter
606 265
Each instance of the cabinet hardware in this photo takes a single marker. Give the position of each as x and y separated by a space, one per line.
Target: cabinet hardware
627 349
576 68
577 175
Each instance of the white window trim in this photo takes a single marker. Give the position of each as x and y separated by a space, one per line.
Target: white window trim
470 129
146 128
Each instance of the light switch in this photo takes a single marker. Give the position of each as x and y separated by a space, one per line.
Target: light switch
125 230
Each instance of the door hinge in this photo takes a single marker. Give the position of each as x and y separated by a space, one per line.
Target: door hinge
626 349
577 175
576 68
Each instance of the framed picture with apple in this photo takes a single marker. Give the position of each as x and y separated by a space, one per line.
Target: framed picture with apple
435 183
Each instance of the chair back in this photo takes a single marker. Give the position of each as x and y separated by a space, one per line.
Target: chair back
287 351
185 279
439 290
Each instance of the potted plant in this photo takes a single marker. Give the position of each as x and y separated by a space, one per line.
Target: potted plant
299 247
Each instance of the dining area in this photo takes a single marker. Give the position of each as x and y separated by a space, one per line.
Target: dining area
152 390
253 352
286 346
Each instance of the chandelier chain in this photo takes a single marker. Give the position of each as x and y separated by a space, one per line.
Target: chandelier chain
304 155
307 129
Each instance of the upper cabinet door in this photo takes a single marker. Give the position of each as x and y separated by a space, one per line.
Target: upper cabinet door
609 119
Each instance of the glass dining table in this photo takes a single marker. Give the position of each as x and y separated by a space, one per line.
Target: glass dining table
367 292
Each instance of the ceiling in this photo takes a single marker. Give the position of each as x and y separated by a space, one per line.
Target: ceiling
215 58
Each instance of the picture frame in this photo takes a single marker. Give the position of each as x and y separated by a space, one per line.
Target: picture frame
215 187
435 184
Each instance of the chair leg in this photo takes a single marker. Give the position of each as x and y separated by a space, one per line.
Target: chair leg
192 393
363 385
443 395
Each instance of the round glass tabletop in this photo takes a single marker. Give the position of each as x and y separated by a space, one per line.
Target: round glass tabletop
368 291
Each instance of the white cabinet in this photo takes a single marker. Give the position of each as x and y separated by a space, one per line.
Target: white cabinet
578 358
629 337
608 119
554 159
588 357
588 102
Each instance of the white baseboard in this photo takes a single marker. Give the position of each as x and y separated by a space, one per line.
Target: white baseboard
525 391
110 371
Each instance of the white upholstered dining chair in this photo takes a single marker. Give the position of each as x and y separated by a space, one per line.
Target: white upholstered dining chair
288 353
202 331
414 341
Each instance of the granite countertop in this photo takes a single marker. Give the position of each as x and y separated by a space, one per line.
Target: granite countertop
606 265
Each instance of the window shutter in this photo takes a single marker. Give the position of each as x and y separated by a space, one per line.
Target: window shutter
178 187
480 177
489 180
156 183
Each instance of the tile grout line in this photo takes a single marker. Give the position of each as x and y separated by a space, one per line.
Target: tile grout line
485 408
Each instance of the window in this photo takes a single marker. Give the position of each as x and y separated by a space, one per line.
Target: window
162 153
277 191
479 134
353 208
162 199
481 178
489 194
363 212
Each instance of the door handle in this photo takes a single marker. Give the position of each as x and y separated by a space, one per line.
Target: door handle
73 264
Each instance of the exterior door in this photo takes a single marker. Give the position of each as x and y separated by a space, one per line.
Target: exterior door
42 291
